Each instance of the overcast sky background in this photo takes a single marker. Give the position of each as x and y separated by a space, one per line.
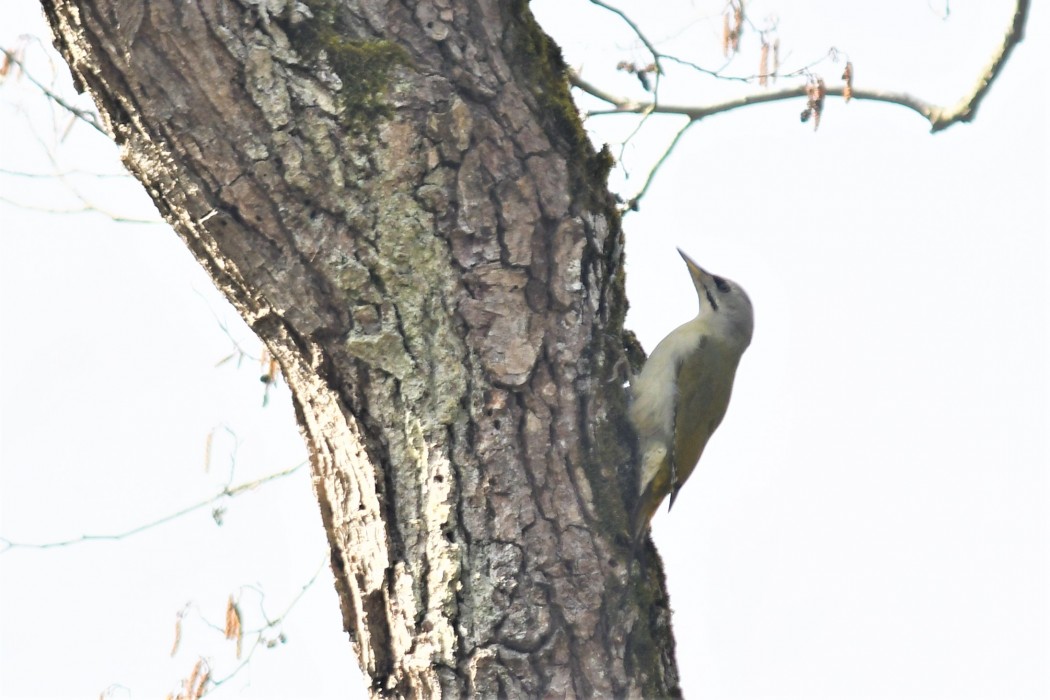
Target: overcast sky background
869 522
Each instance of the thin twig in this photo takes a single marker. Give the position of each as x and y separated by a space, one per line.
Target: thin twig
832 54
229 491
940 118
260 639
623 105
966 108
632 203
634 27
90 206
87 116
656 62
86 209
66 173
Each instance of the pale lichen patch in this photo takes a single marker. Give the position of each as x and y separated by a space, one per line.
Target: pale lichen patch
267 90
384 350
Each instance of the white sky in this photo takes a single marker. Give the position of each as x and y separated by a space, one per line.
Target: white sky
870 521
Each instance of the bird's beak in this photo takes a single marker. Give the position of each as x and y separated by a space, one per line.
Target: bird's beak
703 282
698 273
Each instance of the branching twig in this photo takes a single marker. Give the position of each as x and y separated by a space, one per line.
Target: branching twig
940 118
261 640
966 108
831 54
659 70
88 208
13 58
229 491
634 28
63 174
659 56
632 203
85 115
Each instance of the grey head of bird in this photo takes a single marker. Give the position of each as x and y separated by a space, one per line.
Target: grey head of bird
723 304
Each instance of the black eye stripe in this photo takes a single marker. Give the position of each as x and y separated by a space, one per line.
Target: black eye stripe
722 285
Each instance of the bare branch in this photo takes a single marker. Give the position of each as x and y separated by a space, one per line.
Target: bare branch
645 41
831 54
65 177
623 105
940 118
632 203
63 174
88 208
966 108
7 545
87 116
634 27
267 635
719 73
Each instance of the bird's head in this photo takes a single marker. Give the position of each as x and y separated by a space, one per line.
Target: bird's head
722 302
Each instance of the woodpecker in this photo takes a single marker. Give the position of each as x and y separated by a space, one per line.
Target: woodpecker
682 392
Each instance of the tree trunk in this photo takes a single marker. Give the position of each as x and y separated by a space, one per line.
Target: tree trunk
400 200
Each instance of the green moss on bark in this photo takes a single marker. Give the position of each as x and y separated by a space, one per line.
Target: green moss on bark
363 65
541 66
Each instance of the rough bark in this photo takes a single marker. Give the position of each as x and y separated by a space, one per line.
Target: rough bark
399 199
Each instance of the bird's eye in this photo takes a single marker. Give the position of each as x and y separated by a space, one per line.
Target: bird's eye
722 285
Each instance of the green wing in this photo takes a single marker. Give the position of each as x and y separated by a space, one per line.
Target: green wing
705 381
